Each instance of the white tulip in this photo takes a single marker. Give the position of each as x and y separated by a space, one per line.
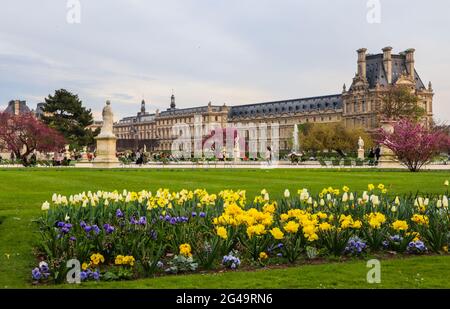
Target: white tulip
352 197
365 196
445 201
45 206
67 218
420 201
439 204
322 202
397 201
345 197
287 194
394 209
266 197
426 201
446 183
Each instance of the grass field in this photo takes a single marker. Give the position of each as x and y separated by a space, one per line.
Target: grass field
22 191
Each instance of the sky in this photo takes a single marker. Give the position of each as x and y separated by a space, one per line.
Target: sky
223 51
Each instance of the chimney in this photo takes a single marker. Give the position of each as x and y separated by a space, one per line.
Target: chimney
16 107
362 62
410 62
387 62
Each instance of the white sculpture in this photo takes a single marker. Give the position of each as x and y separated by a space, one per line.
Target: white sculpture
237 148
106 141
107 127
360 143
295 148
360 148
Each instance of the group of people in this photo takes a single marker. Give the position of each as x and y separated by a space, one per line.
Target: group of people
374 155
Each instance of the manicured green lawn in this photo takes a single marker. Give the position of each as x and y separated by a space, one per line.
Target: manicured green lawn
22 191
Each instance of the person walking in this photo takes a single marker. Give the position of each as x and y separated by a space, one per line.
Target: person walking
269 155
371 156
377 154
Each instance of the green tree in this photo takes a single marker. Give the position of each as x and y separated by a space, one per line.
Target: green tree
333 137
65 112
399 103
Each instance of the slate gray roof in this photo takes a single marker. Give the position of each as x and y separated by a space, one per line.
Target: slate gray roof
375 70
303 105
191 110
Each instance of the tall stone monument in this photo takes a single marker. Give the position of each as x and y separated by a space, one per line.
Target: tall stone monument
106 142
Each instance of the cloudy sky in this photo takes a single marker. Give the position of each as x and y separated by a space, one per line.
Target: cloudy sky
223 51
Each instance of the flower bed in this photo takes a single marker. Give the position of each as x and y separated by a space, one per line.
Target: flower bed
126 235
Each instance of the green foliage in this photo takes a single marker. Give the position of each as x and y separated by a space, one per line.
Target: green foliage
400 102
181 264
332 136
65 112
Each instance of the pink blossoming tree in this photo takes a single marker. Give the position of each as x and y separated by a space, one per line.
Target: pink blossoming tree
23 134
413 144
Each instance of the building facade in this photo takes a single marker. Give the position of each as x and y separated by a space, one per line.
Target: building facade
358 105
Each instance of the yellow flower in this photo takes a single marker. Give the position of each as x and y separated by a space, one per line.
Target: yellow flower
277 233
119 260
446 183
346 189
185 250
381 186
291 227
97 259
420 219
270 208
370 187
400 225
322 215
325 226
263 256
84 266
375 219
284 217
257 230
357 224
128 260
222 232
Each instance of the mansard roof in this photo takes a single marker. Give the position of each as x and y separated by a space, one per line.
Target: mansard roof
303 105
376 73
189 111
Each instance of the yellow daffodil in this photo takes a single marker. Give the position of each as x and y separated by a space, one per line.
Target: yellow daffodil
277 233
400 225
222 232
291 227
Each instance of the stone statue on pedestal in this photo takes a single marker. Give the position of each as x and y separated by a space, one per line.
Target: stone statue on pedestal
360 148
237 149
106 141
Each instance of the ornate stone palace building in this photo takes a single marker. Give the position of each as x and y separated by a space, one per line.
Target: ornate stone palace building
356 106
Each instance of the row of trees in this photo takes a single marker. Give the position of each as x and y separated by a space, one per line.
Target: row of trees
64 121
